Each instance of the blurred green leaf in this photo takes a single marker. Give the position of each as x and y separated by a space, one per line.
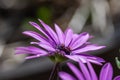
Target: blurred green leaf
45 14
117 62
27 26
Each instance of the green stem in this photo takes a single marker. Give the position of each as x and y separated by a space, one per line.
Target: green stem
54 71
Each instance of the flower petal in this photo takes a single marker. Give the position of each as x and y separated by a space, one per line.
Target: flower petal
85 58
37 27
41 30
34 56
76 71
46 46
92 72
38 37
30 50
38 43
68 37
84 71
80 40
76 58
66 76
106 72
117 78
50 31
75 36
35 35
87 48
60 34
95 61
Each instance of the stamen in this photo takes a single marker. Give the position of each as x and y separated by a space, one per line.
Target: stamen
65 49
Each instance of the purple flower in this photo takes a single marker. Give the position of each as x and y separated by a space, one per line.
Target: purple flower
86 72
65 44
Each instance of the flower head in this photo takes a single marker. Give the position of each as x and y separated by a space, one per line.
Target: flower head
57 44
86 72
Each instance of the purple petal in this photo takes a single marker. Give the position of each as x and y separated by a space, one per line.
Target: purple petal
68 37
66 76
76 71
84 71
41 30
66 30
34 56
50 31
59 33
95 60
85 58
117 78
92 71
37 27
38 43
80 40
106 72
30 50
87 48
76 58
46 46
35 35
74 37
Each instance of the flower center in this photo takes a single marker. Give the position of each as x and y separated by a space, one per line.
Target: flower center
65 49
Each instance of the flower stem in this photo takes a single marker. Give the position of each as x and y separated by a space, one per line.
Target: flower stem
54 71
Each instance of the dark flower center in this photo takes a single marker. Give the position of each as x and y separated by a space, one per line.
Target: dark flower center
65 49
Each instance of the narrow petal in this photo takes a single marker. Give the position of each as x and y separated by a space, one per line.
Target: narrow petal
95 60
74 37
41 30
59 33
106 72
84 71
80 40
34 56
68 37
35 35
38 37
38 43
30 50
76 58
88 48
66 30
85 58
93 57
37 27
47 47
66 76
76 71
92 72
50 31
117 78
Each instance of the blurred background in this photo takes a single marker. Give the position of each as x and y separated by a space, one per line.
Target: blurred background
101 18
